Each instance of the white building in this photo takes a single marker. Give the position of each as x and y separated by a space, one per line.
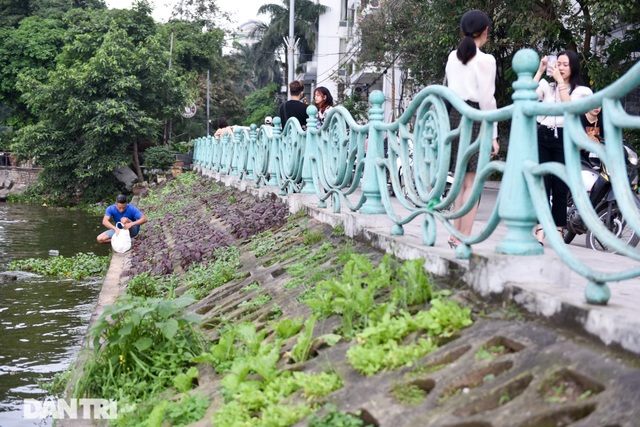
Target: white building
334 61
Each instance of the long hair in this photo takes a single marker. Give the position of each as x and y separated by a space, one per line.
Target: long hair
574 67
466 49
472 25
327 102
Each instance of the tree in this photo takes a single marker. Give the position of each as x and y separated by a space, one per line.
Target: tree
14 11
259 68
105 99
196 52
271 36
28 50
260 104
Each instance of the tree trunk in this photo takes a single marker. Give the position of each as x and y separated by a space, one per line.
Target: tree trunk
136 161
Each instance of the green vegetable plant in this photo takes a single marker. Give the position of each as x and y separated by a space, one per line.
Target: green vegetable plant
504 398
251 287
184 381
353 295
380 344
338 231
288 327
312 237
407 393
187 410
201 279
256 302
254 388
490 352
146 285
262 244
335 418
140 346
159 411
301 350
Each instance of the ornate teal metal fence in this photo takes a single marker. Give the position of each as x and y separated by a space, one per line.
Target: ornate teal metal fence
359 165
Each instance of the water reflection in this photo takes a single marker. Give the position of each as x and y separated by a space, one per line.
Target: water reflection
42 321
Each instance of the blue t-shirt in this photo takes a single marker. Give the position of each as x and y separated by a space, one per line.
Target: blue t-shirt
130 212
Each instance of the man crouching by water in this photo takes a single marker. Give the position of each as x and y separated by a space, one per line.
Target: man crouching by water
122 212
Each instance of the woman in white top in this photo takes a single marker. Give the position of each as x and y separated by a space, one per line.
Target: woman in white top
566 86
471 74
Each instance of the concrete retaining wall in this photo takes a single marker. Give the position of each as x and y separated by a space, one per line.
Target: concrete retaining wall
14 180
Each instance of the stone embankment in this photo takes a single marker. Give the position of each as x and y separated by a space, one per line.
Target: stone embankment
509 369
14 180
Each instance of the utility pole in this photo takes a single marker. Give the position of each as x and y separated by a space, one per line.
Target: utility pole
393 91
167 123
291 43
208 103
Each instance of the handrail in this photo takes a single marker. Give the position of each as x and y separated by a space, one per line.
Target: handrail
356 165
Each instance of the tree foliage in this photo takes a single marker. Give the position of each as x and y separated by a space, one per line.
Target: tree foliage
108 94
260 68
260 104
12 12
30 51
272 35
89 89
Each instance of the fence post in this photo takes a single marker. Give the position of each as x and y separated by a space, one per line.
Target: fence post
375 149
310 150
251 151
274 146
515 204
213 147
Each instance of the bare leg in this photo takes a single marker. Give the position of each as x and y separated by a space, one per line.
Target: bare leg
104 238
465 223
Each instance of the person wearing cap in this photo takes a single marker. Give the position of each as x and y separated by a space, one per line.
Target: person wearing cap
122 213
268 121
471 74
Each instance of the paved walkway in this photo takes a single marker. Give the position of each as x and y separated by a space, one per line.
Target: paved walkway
541 284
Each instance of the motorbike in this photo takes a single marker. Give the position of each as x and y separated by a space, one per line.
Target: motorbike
597 182
399 168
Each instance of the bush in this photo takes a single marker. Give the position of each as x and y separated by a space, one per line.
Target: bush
158 157
144 285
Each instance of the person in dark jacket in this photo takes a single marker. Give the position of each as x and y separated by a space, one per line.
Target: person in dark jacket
294 107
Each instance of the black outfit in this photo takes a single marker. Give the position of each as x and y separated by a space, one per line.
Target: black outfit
588 126
550 149
454 119
294 108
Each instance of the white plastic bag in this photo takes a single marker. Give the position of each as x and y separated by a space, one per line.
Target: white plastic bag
121 241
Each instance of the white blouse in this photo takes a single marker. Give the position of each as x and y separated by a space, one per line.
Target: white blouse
475 81
321 115
549 93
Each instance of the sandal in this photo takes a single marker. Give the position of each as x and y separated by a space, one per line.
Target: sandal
453 243
538 230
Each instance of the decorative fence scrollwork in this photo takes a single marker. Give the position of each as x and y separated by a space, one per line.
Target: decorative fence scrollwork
364 166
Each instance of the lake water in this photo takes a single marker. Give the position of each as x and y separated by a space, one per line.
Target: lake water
42 320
